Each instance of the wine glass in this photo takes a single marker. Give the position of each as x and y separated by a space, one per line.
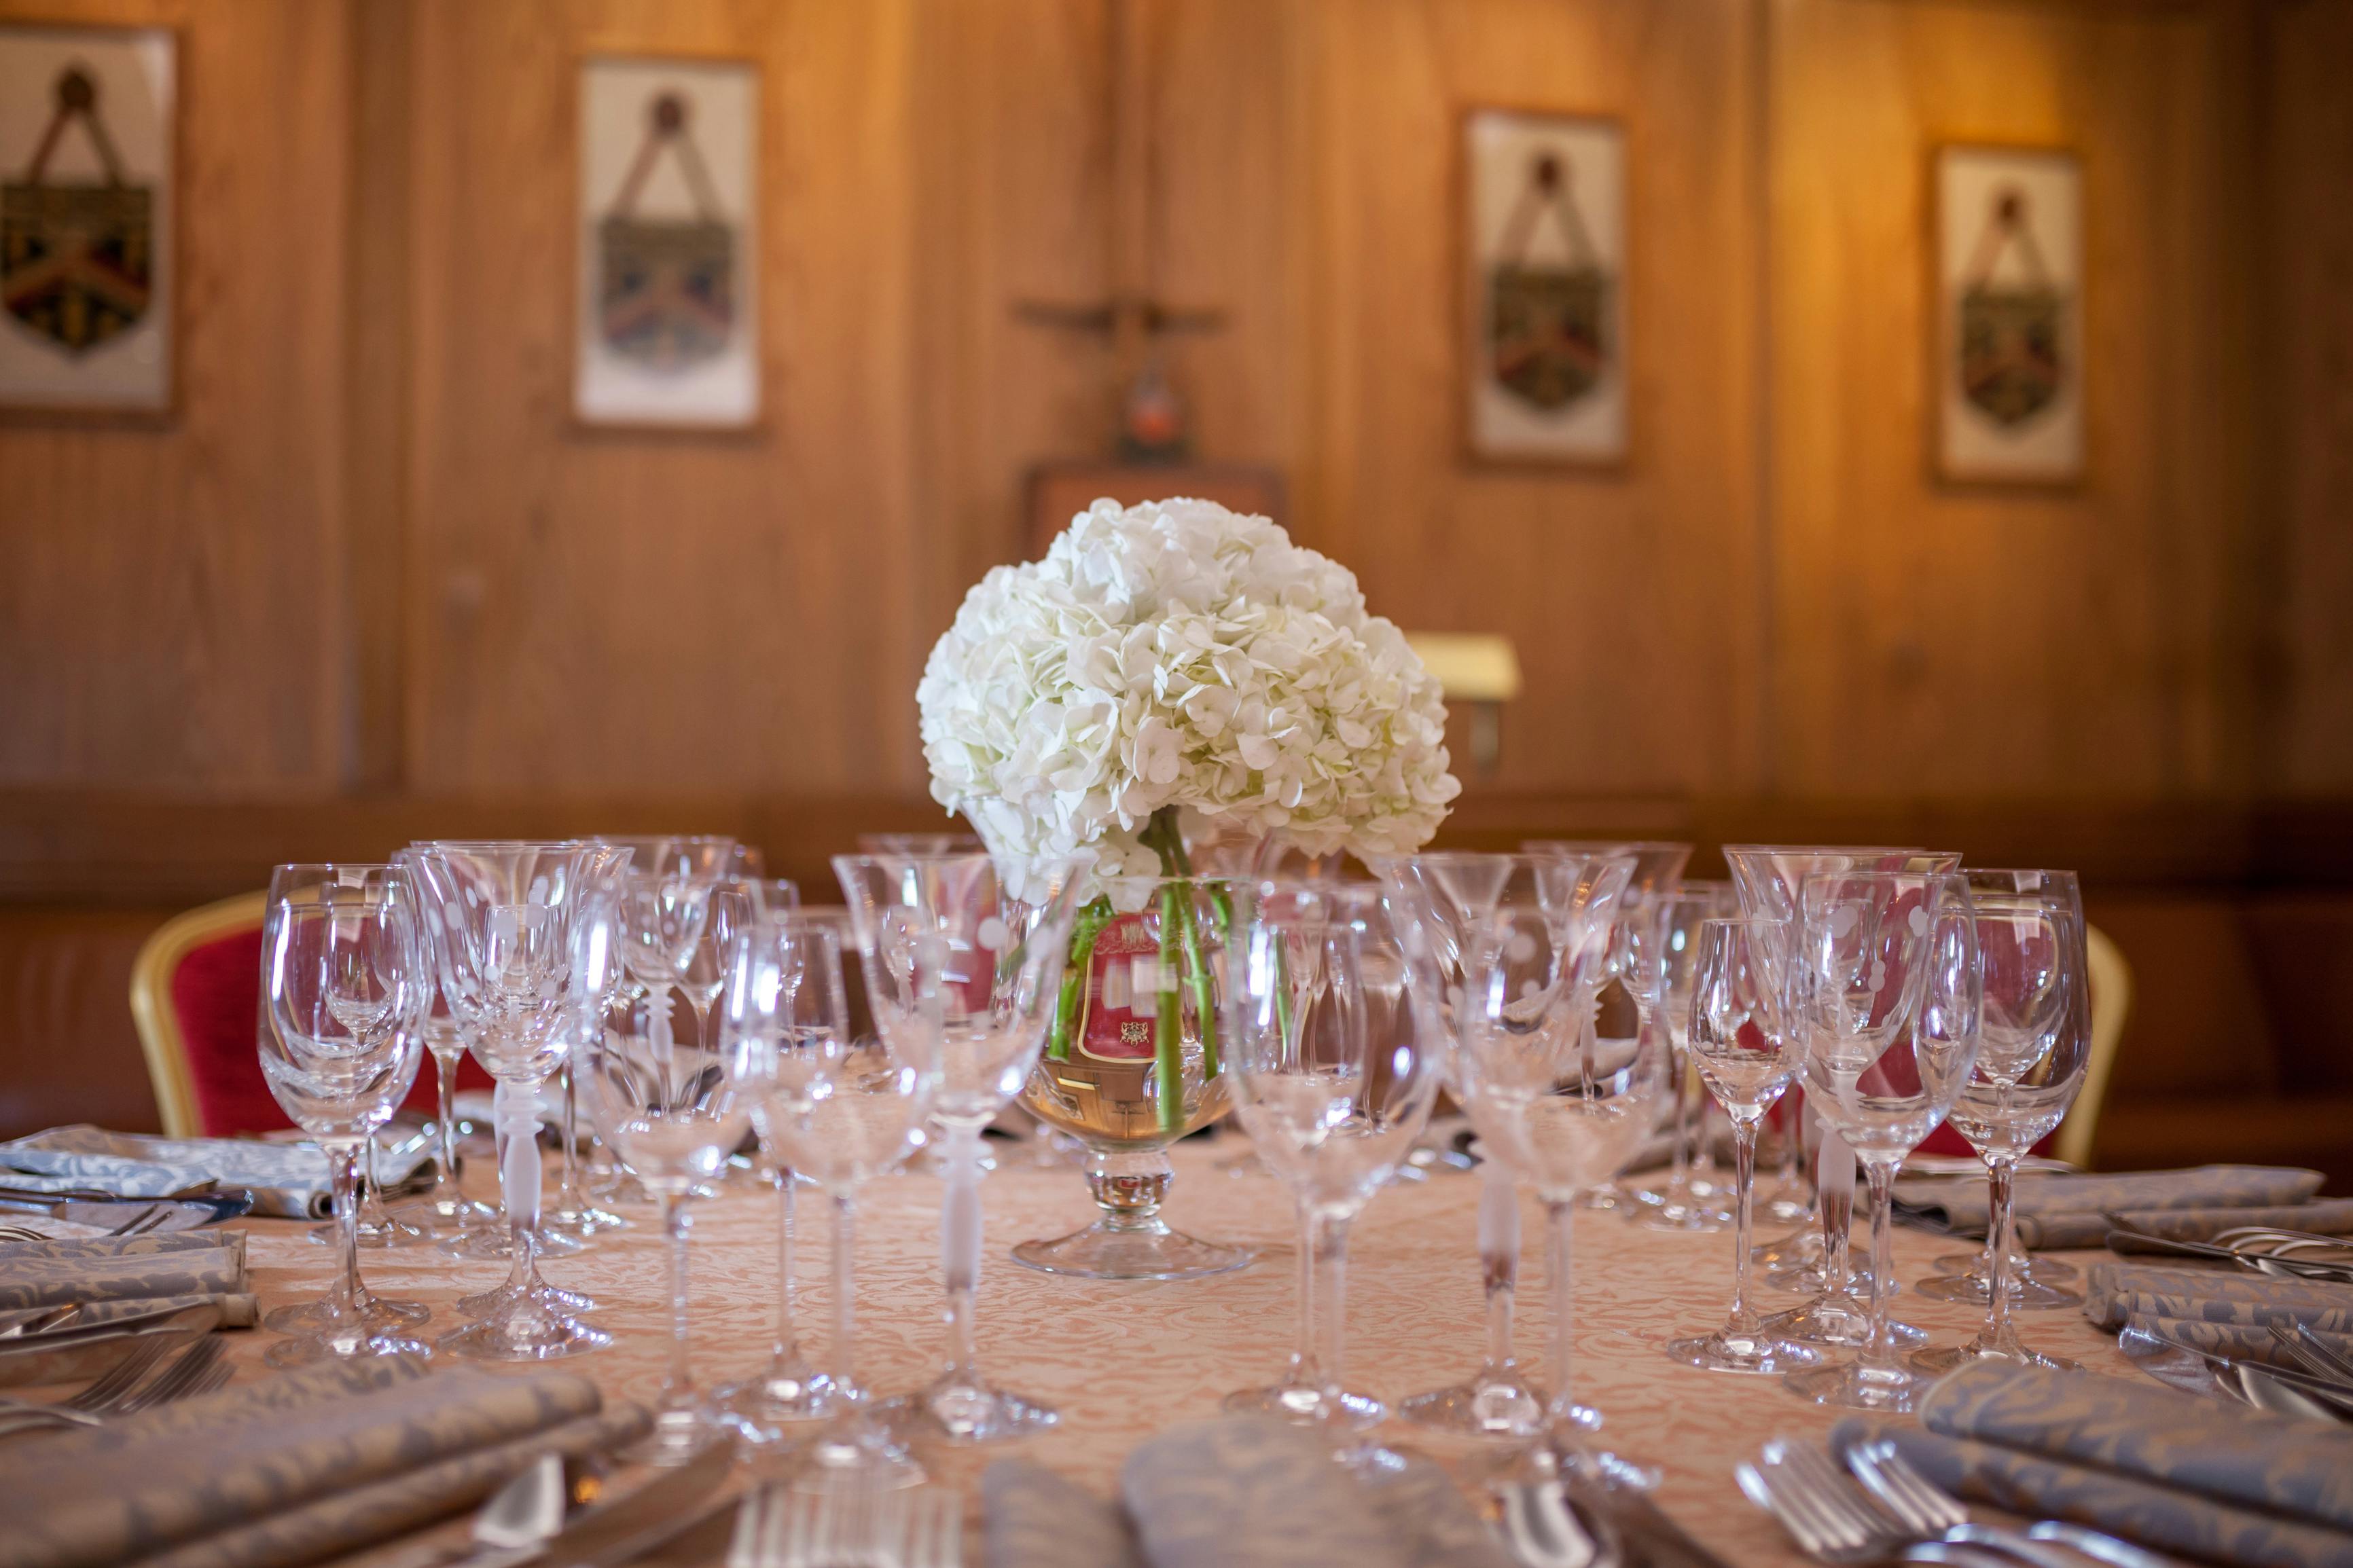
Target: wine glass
1885 982
344 987
1458 891
863 1121
921 844
673 1113
983 982
1635 966
2034 1043
1680 1203
446 1208
1559 1104
1739 1033
1766 880
1132 1063
1334 1077
787 997
501 915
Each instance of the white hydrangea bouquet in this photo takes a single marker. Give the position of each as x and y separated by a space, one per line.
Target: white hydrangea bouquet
1177 662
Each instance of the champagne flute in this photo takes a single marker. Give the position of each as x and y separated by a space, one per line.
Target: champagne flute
1886 983
1739 1033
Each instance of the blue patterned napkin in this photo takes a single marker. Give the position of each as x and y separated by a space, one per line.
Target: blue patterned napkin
288 1180
2066 1209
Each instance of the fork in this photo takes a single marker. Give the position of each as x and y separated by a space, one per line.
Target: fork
775 1529
98 1399
1812 1470
2311 1351
178 1381
1837 1527
118 1392
1923 1506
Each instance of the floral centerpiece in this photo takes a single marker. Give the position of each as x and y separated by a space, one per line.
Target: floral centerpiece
1169 663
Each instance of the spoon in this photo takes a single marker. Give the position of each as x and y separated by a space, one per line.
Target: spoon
522 1515
1546 1529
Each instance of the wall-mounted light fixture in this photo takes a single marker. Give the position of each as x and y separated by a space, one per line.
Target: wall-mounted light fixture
1479 670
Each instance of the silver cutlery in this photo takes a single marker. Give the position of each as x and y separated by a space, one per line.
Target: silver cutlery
100 1398
2313 1351
1920 1503
779 1529
1840 1528
2281 1389
1545 1528
182 1378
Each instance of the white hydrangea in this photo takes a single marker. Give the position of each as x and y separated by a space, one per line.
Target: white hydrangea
1179 654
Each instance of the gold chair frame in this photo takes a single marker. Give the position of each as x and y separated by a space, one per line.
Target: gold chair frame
2112 1000
160 1039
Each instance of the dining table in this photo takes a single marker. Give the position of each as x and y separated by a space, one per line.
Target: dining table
1124 1360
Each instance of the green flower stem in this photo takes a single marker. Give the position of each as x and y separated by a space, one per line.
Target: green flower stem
1089 926
1169 1025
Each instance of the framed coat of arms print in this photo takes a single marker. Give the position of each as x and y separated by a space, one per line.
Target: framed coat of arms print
1543 234
668 331
2007 354
87 152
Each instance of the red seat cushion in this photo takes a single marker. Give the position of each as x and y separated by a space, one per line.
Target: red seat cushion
217 1000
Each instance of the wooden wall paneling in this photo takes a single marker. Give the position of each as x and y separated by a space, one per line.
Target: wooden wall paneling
169 601
627 611
1979 639
1630 594
68 1051
2310 160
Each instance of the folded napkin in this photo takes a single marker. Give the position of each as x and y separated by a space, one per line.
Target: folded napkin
1033 1518
2329 1216
2239 1341
2059 1210
292 1468
146 1246
51 1281
288 1180
2115 1291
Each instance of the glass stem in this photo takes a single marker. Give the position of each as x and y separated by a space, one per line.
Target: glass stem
1304 1372
1327 1235
571 1203
1793 1137
960 1249
677 1382
343 1180
1834 1196
787 1351
2002 1207
1881 1175
445 1070
1499 1260
845 1298
1560 1238
518 1132
1679 1171
1743 1182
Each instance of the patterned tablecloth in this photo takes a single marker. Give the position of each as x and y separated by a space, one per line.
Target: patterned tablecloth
1121 1361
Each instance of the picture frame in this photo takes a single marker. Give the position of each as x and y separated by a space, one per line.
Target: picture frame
89 164
2005 333
1541 236
668 266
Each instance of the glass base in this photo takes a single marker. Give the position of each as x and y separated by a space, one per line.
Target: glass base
1972 1289
1605 1199
1129 1250
964 1413
1807 1279
1937 1363
525 1334
679 1434
539 1295
1304 1404
1691 1215
2023 1265
491 1241
580 1224
1840 1321
357 1343
401 1228
1506 1407
448 1213
854 1455
1746 1351
778 1405
1861 1386
374 1312
1799 1247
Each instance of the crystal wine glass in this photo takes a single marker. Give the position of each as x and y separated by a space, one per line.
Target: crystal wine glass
2034 1043
1458 891
1767 879
862 1122
1559 1104
1679 1204
447 1208
344 987
501 915
1885 983
1333 1081
1739 1033
787 997
982 981
673 1114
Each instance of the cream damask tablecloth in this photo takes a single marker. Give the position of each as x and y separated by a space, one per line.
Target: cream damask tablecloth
1121 1361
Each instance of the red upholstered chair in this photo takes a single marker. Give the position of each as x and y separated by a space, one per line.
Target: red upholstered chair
195 994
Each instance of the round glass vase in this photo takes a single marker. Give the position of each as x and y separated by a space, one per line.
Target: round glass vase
1132 1063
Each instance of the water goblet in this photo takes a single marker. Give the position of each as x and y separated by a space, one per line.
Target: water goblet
1560 1105
345 986
2034 1044
1739 1033
1335 1082
1885 983
1684 1202
862 1122
1456 892
982 976
674 1116
787 997
501 915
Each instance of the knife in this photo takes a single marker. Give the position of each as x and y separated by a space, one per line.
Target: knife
668 1505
